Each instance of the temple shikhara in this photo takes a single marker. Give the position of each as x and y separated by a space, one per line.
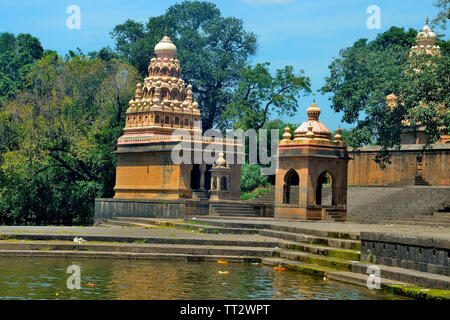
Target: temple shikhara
145 168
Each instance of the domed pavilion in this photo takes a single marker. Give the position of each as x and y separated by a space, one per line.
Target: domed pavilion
306 163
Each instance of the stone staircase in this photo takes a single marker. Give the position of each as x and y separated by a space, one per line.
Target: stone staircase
200 195
231 209
332 255
395 204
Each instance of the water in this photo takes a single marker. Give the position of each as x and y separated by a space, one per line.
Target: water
45 278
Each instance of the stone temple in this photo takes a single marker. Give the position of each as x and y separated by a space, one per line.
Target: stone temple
161 116
305 164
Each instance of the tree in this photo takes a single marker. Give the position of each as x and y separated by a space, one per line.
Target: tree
211 48
364 74
56 157
16 56
443 15
259 93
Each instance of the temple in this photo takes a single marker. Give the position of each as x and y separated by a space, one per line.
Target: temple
305 164
412 164
162 115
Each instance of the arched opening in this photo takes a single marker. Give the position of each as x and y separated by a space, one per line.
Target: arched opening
291 187
208 177
186 122
177 121
166 120
157 119
223 183
195 177
324 189
175 94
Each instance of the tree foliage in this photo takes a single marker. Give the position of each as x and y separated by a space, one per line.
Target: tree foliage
259 93
365 73
16 57
60 132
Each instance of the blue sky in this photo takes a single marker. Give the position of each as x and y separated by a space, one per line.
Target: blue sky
304 33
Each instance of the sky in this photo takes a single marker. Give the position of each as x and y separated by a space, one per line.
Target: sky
306 34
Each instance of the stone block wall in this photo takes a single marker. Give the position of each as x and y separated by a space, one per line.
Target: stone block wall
419 253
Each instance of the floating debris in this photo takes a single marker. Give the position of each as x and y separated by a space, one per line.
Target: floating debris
79 240
221 261
279 268
222 272
90 284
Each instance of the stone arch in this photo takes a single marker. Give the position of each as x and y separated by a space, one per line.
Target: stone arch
223 183
327 178
173 72
156 71
164 71
195 177
164 93
145 92
290 186
175 94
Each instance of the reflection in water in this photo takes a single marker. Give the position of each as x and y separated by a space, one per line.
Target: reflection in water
45 278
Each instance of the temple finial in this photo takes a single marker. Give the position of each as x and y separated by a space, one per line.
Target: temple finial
427 20
165 31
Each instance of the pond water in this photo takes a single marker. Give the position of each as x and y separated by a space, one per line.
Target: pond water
46 278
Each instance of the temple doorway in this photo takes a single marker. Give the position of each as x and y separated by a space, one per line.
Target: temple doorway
324 189
195 177
291 187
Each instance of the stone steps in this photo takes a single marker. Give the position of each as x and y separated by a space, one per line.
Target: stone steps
199 227
423 279
261 225
314 259
310 239
127 255
143 248
232 209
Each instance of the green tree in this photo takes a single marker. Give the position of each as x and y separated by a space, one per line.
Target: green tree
259 93
211 48
365 73
61 131
443 15
16 56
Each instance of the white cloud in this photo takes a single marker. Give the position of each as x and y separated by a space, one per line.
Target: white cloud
265 1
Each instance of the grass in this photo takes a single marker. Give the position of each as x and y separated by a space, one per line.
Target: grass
255 193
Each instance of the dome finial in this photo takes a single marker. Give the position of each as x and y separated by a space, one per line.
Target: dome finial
165 31
313 111
427 21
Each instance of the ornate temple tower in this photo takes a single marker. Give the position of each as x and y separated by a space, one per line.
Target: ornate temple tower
426 39
305 164
162 105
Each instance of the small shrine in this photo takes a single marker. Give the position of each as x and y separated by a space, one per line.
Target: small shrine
307 164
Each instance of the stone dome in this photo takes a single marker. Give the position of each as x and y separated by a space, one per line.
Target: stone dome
426 36
313 125
165 48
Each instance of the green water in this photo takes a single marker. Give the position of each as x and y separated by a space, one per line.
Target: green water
45 278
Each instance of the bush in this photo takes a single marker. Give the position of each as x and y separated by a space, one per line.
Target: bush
251 177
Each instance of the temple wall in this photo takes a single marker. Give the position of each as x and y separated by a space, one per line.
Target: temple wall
407 163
